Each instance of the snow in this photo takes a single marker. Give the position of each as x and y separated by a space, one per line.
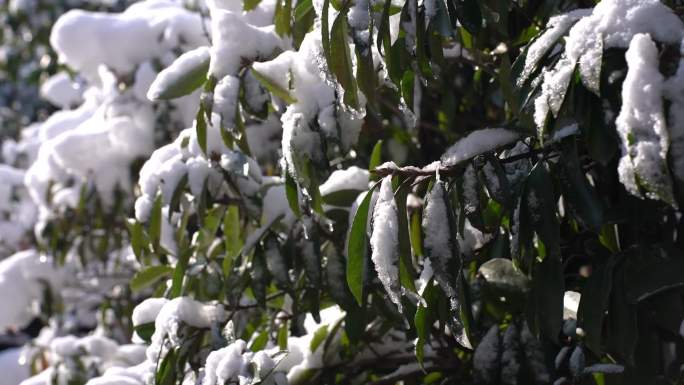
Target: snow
611 24
476 143
22 277
438 240
315 102
553 90
187 63
352 178
84 40
641 124
226 96
147 310
571 301
359 15
228 51
556 27
226 364
61 91
384 241
13 372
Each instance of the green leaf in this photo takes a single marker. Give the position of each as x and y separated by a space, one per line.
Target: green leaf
283 16
303 7
273 87
201 128
541 207
341 198
318 337
325 32
503 279
549 290
149 275
662 275
470 15
424 319
231 231
292 193
283 334
166 374
249 5
580 195
375 158
179 274
259 343
139 241
178 83
384 42
156 223
594 303
340 62
260 275
407 273
145 331
357 248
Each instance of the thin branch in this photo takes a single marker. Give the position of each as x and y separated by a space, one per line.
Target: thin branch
452 170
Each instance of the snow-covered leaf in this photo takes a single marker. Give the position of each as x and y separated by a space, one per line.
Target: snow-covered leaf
186 74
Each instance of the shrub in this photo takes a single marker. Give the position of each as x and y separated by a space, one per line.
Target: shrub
343 192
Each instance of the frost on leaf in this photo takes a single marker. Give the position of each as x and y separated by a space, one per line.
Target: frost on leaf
443 253
439 243
511 355
384 241
534 355
641 125
486 360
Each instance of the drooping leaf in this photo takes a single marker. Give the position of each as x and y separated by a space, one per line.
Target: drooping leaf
594 303
340 62
357 248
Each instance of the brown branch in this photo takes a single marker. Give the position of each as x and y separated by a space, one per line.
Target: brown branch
451 170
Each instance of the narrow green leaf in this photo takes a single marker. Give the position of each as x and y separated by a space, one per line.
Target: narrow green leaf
156 223
259 343
318 337
283 334
139 241
340 61
166 374
407 273
177 83
179 274
580 195
283 17
376 157
357 248
303 7
549 289
149 275
292 193
273 87
594 303
201 128
541 208
325 32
